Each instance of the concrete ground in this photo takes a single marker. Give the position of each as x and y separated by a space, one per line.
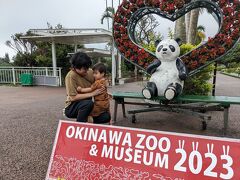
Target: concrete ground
29 117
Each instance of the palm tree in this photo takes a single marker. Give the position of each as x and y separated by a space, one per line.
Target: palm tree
108 13
180 29
200 36
186 27
187 22
192 31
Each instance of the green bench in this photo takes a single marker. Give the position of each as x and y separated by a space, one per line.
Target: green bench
201 104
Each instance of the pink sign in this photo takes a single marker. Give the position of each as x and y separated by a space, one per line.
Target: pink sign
89 151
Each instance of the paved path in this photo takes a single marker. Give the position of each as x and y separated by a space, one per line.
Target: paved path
29 118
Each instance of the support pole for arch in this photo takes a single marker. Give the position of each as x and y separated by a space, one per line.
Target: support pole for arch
54 59
113 67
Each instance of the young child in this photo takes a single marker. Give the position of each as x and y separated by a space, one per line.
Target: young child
101 102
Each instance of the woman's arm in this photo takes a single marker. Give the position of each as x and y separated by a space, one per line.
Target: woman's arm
87 95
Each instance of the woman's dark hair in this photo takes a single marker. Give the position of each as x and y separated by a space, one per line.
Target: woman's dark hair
80 60
100 67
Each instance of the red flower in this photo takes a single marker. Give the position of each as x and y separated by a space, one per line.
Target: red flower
123 30
127 54
140 3
229 42
124 3
179 4
221 51
132 1
235 34
132 7
121 49
228 10
203 59
194 54
125 37
141 63
193 64
156 3
213 53
204 50
132 58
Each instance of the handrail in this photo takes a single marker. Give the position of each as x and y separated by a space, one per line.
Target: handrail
11 74
22 67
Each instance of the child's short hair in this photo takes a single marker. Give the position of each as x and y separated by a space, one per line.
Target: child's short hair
100 67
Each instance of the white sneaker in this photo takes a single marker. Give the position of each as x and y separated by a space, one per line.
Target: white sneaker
146 93
64 115
169 94
90 119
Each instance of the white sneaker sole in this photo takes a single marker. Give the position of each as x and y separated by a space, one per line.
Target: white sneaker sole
169 94
146 94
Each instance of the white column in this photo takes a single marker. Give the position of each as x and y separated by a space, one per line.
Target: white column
46 71
14 76
75 48
113 67
136 71
60 76
54 59
119 66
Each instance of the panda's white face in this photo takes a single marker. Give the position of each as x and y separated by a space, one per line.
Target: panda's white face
167 50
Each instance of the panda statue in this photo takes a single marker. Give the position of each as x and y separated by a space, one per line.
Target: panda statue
168 72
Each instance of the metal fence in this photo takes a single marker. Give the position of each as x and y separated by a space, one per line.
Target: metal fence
11 75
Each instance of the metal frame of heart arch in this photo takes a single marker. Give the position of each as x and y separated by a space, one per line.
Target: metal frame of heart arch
226 12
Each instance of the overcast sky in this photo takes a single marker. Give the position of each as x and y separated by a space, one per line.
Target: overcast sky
20 15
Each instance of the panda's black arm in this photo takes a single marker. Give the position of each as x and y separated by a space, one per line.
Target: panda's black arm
153 66
181 69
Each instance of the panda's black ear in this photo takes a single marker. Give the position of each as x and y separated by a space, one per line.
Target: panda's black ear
157 42
179 41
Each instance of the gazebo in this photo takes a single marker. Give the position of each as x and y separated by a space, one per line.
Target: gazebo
75 37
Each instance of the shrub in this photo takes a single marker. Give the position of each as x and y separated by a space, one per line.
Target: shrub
197 84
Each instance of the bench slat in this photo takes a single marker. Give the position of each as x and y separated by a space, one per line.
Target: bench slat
224 100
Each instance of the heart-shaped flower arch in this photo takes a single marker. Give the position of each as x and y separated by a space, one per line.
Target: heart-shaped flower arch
226 12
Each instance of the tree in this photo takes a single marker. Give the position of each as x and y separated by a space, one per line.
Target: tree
25 59
21 46
192 31
25 50
170 33
5 61
186 27
108 13
200 36
180 29
145 30
187 22
38 53
232 59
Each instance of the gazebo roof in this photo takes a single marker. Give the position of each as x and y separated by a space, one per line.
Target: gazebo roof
70 36
94 52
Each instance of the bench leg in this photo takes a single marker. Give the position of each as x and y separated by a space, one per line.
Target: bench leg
123 110
226 113
115 111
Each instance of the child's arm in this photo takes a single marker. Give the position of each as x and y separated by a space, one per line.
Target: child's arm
84 90
90 89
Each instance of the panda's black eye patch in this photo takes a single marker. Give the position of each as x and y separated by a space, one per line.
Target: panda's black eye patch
172 48
159 48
